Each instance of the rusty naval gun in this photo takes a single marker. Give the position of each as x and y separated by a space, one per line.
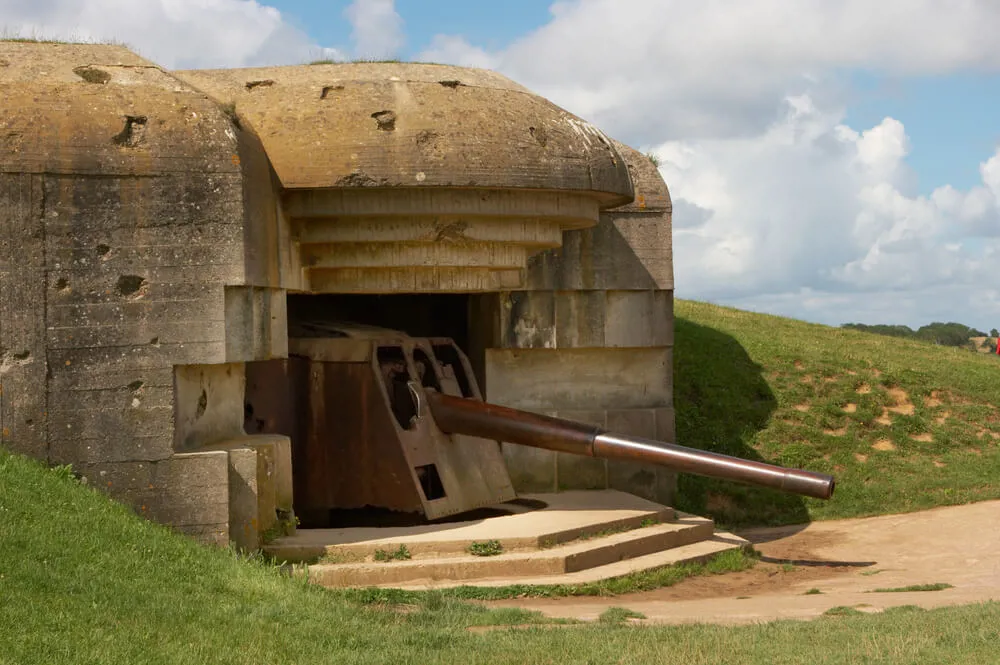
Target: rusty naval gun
379 419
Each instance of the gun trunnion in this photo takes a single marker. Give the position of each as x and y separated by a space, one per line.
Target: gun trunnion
379 419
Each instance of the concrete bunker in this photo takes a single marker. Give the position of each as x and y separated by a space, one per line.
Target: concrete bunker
217 257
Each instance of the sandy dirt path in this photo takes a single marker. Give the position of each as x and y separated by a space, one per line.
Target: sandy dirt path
846 560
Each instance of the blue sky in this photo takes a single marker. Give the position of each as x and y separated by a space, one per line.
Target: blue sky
491 25
952 121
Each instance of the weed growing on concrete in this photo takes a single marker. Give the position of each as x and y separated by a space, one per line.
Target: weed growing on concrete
488 548
401 553
812 592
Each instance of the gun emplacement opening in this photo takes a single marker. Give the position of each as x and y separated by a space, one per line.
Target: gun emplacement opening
382 420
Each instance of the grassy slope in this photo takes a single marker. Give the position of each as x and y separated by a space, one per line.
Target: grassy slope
84 581
812 397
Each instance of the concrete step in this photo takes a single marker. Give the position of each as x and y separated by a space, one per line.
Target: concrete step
693 553
566 517
561 560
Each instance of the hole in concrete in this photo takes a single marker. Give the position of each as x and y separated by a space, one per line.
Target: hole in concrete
392 362
266 83
133 133
430 482
92 74
29 422
539 134
103 250
135 386
130 284
22 356
450 84
386 120
327 89
426 137
62 284
202 404
155 341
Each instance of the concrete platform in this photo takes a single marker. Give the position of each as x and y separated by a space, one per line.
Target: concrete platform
577 537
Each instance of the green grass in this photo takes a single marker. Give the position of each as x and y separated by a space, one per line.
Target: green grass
401 553
619 615
487 548
811 396
938 586
85 582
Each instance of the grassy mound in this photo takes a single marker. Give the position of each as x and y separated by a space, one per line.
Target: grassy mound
904 425
84 581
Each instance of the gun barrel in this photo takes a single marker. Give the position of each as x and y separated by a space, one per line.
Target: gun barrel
459 415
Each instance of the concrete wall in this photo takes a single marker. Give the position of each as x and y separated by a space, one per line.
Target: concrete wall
127 252
591 338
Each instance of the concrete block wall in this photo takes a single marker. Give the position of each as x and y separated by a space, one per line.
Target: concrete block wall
591 339
127 254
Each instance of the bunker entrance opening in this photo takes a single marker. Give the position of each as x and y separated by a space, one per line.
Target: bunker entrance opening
346 467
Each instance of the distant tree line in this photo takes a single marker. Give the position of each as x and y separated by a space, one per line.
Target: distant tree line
945 334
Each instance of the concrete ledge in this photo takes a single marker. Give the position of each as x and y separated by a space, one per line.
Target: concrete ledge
567 516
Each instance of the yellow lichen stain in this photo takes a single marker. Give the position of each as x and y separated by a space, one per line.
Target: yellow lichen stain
236 160
641 200
6 432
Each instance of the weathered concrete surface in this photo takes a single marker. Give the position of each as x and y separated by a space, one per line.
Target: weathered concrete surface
566 516
590 337
151 225
414 125
129 202
845 559
577 537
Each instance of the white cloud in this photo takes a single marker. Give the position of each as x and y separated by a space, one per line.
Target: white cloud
176 34
812 218
378 28
778 205
653 70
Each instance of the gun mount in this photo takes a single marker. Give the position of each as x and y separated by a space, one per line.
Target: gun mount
380 419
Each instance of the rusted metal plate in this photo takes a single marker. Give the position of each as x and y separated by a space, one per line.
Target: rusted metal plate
356 409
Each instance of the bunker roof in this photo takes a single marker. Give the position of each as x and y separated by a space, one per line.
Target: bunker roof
416 125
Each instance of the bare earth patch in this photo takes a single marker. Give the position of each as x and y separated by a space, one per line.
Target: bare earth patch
933 401
884 445
840 431
885 418
939 464
926 437
861 458
940 420
863 389
850 408
901 402
845 559
802 407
